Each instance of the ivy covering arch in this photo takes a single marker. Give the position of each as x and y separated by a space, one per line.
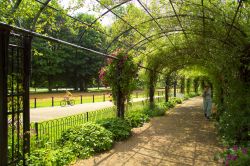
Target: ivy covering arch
161 36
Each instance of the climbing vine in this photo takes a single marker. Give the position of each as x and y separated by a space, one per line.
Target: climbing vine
121 75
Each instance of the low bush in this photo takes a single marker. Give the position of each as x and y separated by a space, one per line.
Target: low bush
156 110
89 135
45 156
186 97
170 104
120 128
190 95
136 119
177 100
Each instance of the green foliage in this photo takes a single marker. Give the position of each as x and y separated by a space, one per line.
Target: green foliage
136 118
234 115
51 157
234 127
90 135
190 95
170 104
122 73
155 110
120 128
176 100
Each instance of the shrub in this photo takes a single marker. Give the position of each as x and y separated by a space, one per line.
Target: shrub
177 100
192 94
46 156
186 97
119 127
170 104
156 110
89 135
234 127
136 119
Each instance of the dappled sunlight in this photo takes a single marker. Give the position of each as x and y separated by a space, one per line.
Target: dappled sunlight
181 137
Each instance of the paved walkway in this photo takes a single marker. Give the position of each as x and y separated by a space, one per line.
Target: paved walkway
182 137
49 113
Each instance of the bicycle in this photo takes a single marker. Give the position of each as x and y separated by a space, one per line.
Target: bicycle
65 102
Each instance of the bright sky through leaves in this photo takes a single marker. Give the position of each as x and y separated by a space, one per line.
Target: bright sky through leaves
88 8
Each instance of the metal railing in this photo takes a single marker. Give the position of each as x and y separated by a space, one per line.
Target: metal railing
51 131
80 99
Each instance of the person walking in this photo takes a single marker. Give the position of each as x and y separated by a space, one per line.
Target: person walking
207 101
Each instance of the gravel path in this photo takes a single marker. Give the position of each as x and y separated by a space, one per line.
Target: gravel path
182 137
49 113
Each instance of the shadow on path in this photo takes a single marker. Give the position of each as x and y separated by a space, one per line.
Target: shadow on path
181 137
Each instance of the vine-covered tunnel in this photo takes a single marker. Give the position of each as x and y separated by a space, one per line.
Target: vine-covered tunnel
170 40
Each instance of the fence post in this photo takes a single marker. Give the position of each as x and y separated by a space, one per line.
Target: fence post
87 116
158 93
93 98
103 97
81 99
35 103
36 130
52 101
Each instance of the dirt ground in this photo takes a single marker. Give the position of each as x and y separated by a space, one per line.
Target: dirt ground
182 137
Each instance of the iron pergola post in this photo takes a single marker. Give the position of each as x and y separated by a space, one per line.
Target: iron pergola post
119 95
4 42
27 41
175 84
166 89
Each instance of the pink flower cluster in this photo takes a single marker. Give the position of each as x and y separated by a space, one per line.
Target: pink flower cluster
232 157
102 74
115 53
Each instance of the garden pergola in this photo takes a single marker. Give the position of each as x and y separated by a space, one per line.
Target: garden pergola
154 30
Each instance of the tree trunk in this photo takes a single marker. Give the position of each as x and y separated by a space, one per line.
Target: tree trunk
49 84
75 85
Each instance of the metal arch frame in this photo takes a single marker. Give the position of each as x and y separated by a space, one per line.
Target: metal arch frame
234 18
86 24
129 49
180 50
178 19
110 10
159 26
156 18
203 15
177 31
126 22
103 14
168 16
